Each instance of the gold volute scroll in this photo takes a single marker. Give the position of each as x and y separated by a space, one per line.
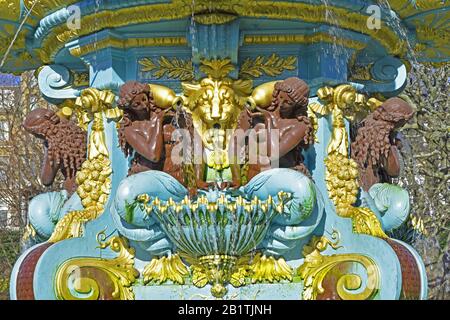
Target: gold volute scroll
97 278
317 267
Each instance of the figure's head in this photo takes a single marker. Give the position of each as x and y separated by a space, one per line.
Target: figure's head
64 140
396 111
39 121
375 138
216 103
136 98
290 96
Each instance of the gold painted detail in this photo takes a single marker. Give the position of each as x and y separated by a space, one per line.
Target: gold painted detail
177 9
10 10
95 183
216 68
316 268
161 270
94 178
342 183
217 270
149 204
341 178
67 108
215 104
214 18
128 43
314 120
303 39
97 278
269 269
201 8
272 66
164 97
175 68
343 102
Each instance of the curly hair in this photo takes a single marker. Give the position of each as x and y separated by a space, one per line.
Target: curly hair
296 89
128 92
66 142
308 139
372 143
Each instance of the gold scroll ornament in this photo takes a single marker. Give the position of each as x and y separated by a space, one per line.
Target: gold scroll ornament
343 102
94 182
96 278
317 267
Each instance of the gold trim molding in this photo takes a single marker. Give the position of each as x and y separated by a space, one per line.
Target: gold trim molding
128 43
404 8
302 39
177 9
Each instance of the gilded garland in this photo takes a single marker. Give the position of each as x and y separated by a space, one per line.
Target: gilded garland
93 179
342 172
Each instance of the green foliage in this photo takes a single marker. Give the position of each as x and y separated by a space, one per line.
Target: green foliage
426 172
9 252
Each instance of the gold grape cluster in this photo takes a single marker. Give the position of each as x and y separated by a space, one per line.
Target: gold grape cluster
341 178
94 183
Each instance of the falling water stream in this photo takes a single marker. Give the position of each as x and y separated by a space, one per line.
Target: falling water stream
335 32
98 3
395 23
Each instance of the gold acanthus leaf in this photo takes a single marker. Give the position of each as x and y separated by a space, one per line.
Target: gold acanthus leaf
272 66
217 68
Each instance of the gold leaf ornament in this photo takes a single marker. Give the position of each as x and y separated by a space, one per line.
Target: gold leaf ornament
267 268
161 270
272 66
172 68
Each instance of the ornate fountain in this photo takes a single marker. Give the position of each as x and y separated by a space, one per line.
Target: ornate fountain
158 105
